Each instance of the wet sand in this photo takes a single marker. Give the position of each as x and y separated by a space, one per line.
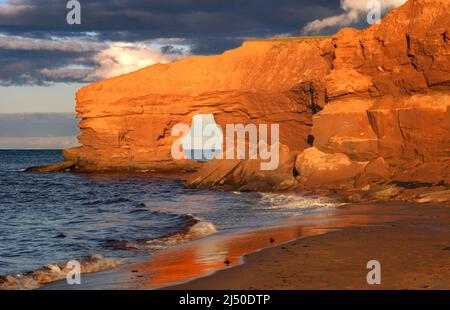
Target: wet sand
413 250
328 250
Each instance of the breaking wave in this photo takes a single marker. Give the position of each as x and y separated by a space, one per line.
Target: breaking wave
54 272
197 231
187 228
192 229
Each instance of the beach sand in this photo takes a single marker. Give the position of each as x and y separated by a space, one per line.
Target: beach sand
414 253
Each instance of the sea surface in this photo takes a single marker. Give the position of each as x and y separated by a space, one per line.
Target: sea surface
48 219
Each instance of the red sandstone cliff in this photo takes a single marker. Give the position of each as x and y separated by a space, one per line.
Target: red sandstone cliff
126 121
376 102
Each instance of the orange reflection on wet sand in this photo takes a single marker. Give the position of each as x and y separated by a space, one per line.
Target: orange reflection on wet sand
203 257
200 258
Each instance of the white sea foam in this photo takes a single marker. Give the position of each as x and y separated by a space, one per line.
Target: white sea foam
54 272
286 201
197 231
200 230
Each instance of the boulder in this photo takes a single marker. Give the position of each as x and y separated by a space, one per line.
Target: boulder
436 197
246 175
388 193
214 173
318 168
378 169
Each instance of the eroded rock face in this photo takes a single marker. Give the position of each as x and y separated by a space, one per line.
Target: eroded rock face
379 96
246 175
396 105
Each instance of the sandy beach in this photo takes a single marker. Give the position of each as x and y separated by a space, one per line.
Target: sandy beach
414 253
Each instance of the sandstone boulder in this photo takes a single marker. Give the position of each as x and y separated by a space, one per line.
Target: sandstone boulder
436 197
378 169
214 173
318 168
246 175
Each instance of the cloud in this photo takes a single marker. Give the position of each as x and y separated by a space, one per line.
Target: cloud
32 61
68 73
353 11
135 20
120 58
73 44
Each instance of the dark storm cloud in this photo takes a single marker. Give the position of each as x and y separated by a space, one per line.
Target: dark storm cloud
27 67
136 20
170 49
207 26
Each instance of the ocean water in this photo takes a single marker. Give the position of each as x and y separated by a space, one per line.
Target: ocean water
103 219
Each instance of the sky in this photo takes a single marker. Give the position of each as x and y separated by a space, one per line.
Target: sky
60 97
44 60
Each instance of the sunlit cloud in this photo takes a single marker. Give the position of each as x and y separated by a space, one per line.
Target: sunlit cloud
120 58
353 12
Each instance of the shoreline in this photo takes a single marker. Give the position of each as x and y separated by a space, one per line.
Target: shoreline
392 190
414 254
200 264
